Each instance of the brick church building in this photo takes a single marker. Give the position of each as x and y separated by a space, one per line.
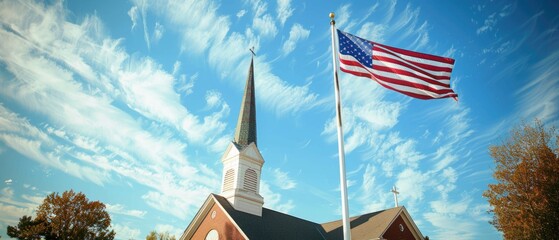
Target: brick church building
238 212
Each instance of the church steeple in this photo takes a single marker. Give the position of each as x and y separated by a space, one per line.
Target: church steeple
242 161
245 133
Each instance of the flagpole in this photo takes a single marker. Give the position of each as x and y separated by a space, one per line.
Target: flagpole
343 182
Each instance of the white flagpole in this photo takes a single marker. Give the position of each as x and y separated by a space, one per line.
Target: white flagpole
343 183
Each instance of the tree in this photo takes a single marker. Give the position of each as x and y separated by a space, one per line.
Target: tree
525 199
67 216
27 228
153 235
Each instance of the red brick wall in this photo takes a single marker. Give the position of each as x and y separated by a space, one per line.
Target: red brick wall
221 223
394 233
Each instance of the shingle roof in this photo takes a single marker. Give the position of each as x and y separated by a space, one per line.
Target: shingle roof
366 226
276 225
273 225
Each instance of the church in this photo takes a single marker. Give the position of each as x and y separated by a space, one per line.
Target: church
238 213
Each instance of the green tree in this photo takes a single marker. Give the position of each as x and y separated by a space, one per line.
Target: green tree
525 199
27 228
67 216
153 235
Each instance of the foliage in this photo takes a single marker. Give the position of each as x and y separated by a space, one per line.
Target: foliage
67 216
153 235
525 199
27 228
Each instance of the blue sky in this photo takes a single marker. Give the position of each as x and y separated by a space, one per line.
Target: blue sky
134 102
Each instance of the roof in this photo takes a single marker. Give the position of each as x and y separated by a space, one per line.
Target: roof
272 225
245 132
365 226
275 225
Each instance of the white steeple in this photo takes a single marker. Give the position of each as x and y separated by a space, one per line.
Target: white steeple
242 161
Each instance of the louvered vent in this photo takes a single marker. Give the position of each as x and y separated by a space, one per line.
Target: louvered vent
228 180
250 180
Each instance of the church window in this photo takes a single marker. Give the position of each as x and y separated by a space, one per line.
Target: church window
228 180
212 235
250 180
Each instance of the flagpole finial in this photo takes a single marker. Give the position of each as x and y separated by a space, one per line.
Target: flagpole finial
332 15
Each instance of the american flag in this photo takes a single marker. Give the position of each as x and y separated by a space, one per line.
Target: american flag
417 75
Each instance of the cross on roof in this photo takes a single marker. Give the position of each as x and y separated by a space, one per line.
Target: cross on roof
252 51
395 195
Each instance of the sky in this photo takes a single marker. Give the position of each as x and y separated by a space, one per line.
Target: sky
133 103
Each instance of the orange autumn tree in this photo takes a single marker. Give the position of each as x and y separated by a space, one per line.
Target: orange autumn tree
67 216
525 199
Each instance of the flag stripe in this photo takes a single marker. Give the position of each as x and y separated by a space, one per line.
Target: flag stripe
353 67
387 67
434 70
418 75
418 55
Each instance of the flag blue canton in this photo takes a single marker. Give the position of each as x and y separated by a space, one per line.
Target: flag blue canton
360 49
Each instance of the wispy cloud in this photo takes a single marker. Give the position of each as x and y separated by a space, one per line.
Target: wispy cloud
282 180
129 121
158 31
126 232
274 200
134 15
296 34
284 11
541 94
265 25
241 13
493 19
121 209
205 30
172 230
13 206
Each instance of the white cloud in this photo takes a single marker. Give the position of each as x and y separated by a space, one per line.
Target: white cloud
274 200
296 34
539 96
265 25
125 232
143 14
12 208
413 183
259 7
203 29
343 14
176 68
372 31
172 230
282 180
134 15
113 131
213 98
241 13
284 10
158 31
444 212
121 209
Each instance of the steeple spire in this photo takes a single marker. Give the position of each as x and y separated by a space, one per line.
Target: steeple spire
242 161
245 132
